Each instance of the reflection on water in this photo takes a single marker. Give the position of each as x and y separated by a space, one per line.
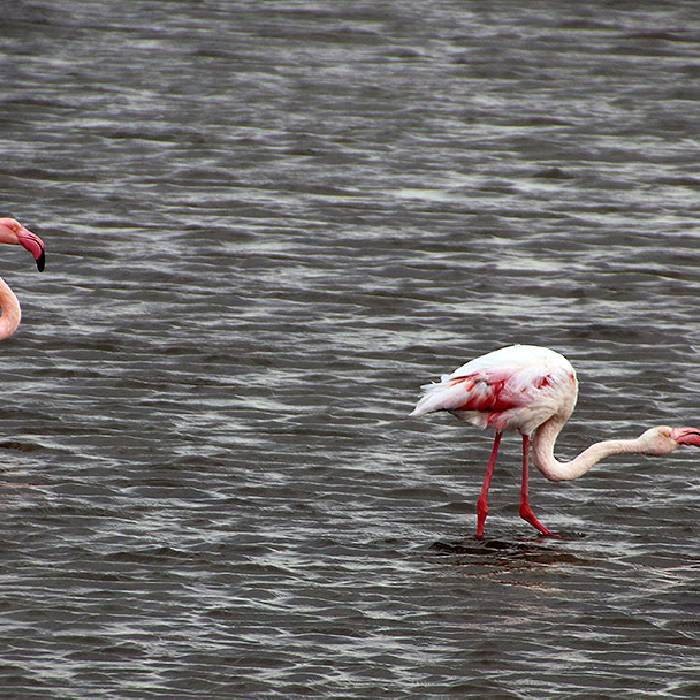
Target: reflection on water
497 557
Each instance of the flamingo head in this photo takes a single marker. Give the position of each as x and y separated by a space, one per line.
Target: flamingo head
13 233
663 440
686 436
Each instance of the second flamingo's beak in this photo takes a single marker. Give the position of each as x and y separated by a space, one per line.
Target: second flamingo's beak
34 245
686 436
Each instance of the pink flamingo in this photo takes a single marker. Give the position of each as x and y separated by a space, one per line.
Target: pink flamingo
13 233
532 390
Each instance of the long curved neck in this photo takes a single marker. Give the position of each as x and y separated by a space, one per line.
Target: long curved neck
11 313
554 470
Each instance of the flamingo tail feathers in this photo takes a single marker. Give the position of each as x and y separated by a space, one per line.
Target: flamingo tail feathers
441 396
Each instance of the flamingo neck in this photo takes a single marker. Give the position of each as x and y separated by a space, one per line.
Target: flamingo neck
11 312
554 470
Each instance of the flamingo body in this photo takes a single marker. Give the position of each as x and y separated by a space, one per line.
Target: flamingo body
531 390
515 388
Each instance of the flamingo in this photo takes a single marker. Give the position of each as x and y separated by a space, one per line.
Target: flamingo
532 390
13 233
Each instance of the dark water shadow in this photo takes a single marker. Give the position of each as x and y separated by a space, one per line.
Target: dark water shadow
509 554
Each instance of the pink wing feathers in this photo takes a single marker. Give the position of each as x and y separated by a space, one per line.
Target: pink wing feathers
517 388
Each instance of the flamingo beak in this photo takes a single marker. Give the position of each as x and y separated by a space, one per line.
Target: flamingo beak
686 436
34 245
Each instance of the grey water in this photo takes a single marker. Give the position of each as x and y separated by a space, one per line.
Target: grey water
267 224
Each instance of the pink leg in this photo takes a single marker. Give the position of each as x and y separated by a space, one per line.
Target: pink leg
525 510
482 505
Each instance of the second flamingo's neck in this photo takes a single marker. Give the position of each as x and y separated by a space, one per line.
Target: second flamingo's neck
554 470
11 312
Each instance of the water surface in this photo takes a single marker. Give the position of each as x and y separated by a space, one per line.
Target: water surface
268 224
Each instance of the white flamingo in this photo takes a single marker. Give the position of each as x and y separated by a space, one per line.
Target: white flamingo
532 389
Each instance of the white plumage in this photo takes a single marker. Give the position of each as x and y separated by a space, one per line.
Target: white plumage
515 388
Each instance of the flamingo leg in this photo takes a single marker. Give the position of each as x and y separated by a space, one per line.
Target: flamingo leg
525 510
482 505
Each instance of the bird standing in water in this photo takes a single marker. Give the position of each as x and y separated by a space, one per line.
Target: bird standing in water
532 390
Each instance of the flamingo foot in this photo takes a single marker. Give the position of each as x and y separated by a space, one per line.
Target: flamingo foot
527 514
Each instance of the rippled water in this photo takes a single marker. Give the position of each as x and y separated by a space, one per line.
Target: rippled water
268 224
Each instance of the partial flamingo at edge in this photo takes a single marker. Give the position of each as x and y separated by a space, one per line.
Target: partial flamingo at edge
13 233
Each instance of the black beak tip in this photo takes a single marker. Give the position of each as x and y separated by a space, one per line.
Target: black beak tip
41 261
